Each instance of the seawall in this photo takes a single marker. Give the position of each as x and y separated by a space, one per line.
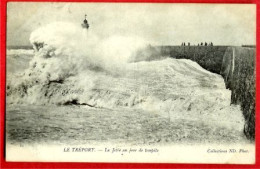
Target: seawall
235 64
238 71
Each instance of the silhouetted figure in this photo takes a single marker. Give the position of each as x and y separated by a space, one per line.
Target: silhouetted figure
184 44
206 44
211 44
201 44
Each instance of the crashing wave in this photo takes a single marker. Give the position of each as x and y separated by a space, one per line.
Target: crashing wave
71 66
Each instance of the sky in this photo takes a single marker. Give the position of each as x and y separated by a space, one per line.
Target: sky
158 24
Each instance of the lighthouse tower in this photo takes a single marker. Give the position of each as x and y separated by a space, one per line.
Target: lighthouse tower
85 24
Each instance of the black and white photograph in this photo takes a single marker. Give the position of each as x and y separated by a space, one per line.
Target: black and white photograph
130 82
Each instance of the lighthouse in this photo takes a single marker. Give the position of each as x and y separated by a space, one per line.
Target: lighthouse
85 24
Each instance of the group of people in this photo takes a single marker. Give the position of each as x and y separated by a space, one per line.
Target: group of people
201 44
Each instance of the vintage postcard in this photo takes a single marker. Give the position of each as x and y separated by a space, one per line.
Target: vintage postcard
130 82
